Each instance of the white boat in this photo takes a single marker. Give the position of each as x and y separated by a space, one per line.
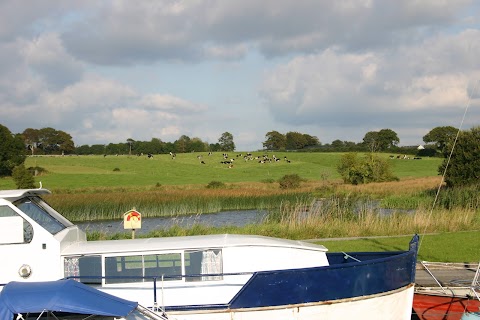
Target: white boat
206 277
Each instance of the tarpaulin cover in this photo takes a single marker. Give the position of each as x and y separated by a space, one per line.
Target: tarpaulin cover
61 296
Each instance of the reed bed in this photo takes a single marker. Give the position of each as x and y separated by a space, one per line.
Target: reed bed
336 217
345 217
158 203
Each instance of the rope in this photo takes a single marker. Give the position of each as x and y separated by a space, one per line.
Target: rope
448 162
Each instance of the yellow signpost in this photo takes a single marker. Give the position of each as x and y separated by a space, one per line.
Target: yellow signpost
132 219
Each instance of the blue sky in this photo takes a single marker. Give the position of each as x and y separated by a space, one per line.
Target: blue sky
106 71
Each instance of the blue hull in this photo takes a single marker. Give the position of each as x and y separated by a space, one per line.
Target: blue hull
374 273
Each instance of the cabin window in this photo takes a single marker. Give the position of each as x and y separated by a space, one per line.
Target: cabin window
86 269
37 211
141 268
15 228
168 265
204 265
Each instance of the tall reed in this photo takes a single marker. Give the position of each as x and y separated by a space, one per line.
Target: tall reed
106 206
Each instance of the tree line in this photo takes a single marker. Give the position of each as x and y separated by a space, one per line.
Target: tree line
51 141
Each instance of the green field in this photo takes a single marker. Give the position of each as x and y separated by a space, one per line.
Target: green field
74 172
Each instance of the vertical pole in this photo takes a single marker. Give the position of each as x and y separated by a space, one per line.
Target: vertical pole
133 233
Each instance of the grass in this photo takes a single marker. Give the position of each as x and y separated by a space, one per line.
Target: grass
76 172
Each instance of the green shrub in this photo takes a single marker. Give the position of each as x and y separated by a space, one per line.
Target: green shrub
22 177
370 168
116 169
290 181
216 185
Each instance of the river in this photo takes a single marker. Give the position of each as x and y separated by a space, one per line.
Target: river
224 218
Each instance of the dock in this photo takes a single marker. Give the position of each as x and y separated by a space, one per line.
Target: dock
447 274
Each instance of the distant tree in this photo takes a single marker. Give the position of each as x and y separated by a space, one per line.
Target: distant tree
31 138
464 166
197 145
387 139
130 143
157 146
182 144
23 178
55 141
226 142
12 151
371 141
295 140
274 141
380 140
440 136
215 147
337 144
83 149
371 168
49 140
311 141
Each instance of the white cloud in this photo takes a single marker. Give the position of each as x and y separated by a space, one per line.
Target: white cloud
168 102
335 69
48 58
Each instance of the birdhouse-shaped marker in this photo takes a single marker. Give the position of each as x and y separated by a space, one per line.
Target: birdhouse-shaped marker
132 220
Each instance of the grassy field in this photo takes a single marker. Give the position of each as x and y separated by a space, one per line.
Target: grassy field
76 172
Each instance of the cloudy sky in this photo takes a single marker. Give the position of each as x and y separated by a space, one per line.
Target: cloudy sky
106 71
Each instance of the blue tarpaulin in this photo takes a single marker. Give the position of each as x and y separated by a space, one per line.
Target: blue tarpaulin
60 296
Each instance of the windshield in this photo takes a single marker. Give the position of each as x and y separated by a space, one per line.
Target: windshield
43 214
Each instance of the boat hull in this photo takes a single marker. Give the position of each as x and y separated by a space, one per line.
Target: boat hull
393 305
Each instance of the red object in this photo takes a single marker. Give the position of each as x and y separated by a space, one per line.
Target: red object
133 214
442 307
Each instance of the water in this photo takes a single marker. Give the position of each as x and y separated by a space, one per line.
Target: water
224 218
237 218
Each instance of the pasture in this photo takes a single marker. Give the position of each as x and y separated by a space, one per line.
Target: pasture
130 172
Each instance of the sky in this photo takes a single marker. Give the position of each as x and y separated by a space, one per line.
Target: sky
107 71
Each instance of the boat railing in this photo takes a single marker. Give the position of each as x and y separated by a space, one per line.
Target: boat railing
96 280
473 286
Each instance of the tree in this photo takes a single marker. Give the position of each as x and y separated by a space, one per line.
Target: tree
197 145
387 139
130 143
370 168
12 151
371 141
440 136
31 138
182 145
311 141
48 140
295 140
23 178
226 142
464 166
274 141
337 144
380 140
